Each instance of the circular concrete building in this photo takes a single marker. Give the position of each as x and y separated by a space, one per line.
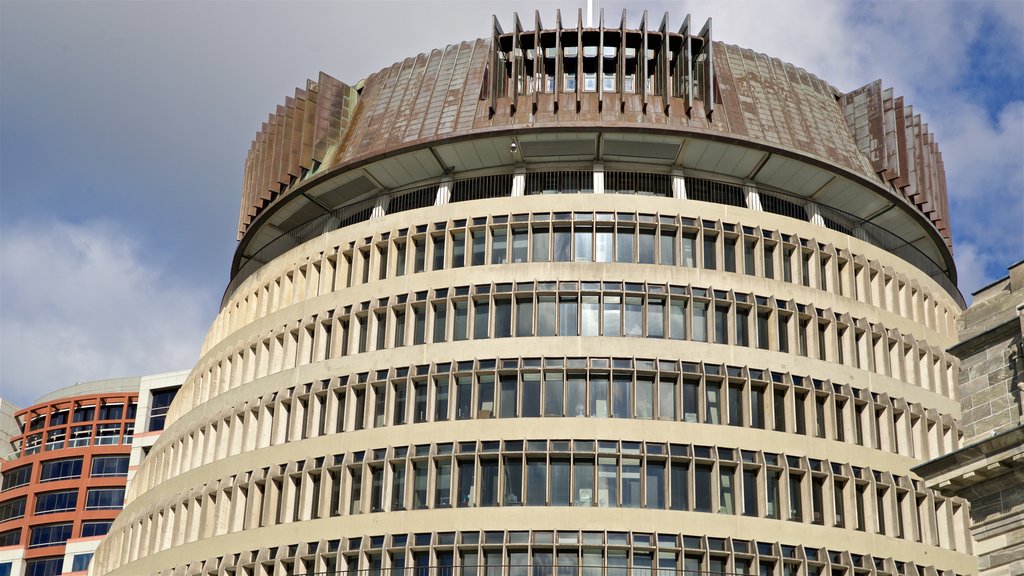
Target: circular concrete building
585 301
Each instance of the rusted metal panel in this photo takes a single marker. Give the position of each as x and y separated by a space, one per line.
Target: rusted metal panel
469 87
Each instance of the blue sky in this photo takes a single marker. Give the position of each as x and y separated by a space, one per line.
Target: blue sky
124 128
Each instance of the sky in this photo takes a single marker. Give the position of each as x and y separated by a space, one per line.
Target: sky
124 128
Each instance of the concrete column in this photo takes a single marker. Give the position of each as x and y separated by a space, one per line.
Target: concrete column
380 207
519 182
598 177
753 198
814 214
444 192
678 185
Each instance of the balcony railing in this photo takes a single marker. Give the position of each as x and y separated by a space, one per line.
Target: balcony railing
573 182
539 570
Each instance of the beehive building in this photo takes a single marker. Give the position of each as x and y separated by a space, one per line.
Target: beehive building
585 300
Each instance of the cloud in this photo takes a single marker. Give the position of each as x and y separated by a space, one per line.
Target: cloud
81 302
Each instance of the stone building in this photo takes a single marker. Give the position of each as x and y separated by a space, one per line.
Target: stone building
575 300
989 470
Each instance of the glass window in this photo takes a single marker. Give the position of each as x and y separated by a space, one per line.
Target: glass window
655 318
726 477
644 397
713 406
749 492
502 318
488 482
419 327
400 259
560 482
576 395
419 390
479 241
61 469
419 486
584 245
612 315
607 483
44 566
440 321
419 255
667 248
621 396
729 254
485 395
679 486
95 528
461 315
631 497
667 399
80 562
17 477
541 245
509 383
562 244
646 241
655 487
700 321
441 387
536 481
605 243
13 508
689 250
691 391
513 478
531 395
443 487
757 407
634 316
735 404
50 535
583 469
520 244
464 397
795 498
499 245
481 318
399 393
722 324
438 261
546 315
702 487
591 316
599 397
60 501
677 319
10 537
104 499
458 250
399 328
524 316
568 311
769 261
709 251
624 246
742 326
748 257
553 394
762 330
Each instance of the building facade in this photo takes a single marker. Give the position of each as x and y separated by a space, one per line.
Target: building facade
574 300
64 478
989 470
